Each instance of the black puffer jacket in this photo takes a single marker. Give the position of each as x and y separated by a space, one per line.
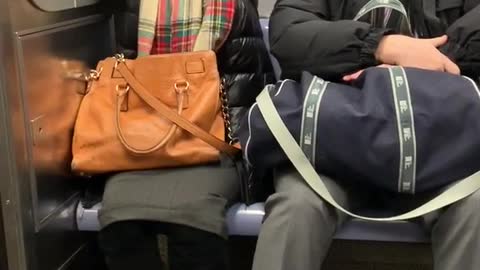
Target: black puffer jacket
243 60
333 45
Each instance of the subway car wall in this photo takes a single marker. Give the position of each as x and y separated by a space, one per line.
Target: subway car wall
40 49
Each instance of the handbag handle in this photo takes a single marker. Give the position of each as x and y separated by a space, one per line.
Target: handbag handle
165 111
181 92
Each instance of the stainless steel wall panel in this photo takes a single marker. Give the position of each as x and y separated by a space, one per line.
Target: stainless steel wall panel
51 103
3 247
9 167
57 5
36 49
58 242
25 15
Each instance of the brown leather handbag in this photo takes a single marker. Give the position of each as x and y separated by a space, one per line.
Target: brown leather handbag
153 112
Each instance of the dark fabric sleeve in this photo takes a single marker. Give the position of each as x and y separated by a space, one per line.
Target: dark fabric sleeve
463 46
244 62
303 39
125 14
470 4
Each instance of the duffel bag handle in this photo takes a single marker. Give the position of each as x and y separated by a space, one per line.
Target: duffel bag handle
374 4
393 4
287 142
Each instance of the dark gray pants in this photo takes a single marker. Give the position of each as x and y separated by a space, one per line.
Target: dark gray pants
135 244
299 227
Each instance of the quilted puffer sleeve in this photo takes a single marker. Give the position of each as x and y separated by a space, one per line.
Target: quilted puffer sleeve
464 43
244 62
305 37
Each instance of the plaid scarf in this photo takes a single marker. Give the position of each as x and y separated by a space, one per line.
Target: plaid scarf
171 26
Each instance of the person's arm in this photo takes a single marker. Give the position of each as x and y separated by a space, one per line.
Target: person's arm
412 52
303 38
464 42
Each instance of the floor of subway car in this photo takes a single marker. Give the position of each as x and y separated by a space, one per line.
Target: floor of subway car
351 255
344 255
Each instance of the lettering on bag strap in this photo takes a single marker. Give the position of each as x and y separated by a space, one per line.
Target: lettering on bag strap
406 130
311 110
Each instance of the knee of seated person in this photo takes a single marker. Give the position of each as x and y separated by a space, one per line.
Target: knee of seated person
301 203
467 209
471 203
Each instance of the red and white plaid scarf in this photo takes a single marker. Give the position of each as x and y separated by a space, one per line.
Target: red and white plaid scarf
170 26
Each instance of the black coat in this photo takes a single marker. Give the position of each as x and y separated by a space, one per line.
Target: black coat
243 60
320 36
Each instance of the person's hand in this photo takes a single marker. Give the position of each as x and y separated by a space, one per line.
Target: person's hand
354 76
417 53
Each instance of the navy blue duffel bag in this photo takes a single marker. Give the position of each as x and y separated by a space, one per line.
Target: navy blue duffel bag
401 129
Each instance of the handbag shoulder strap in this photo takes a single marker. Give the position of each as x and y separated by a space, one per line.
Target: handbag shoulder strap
163 109
459 191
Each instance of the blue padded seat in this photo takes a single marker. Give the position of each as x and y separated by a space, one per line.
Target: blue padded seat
245 220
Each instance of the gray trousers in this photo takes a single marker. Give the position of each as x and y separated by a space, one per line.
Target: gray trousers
299 227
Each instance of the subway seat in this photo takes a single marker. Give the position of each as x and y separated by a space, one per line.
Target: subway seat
243 220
